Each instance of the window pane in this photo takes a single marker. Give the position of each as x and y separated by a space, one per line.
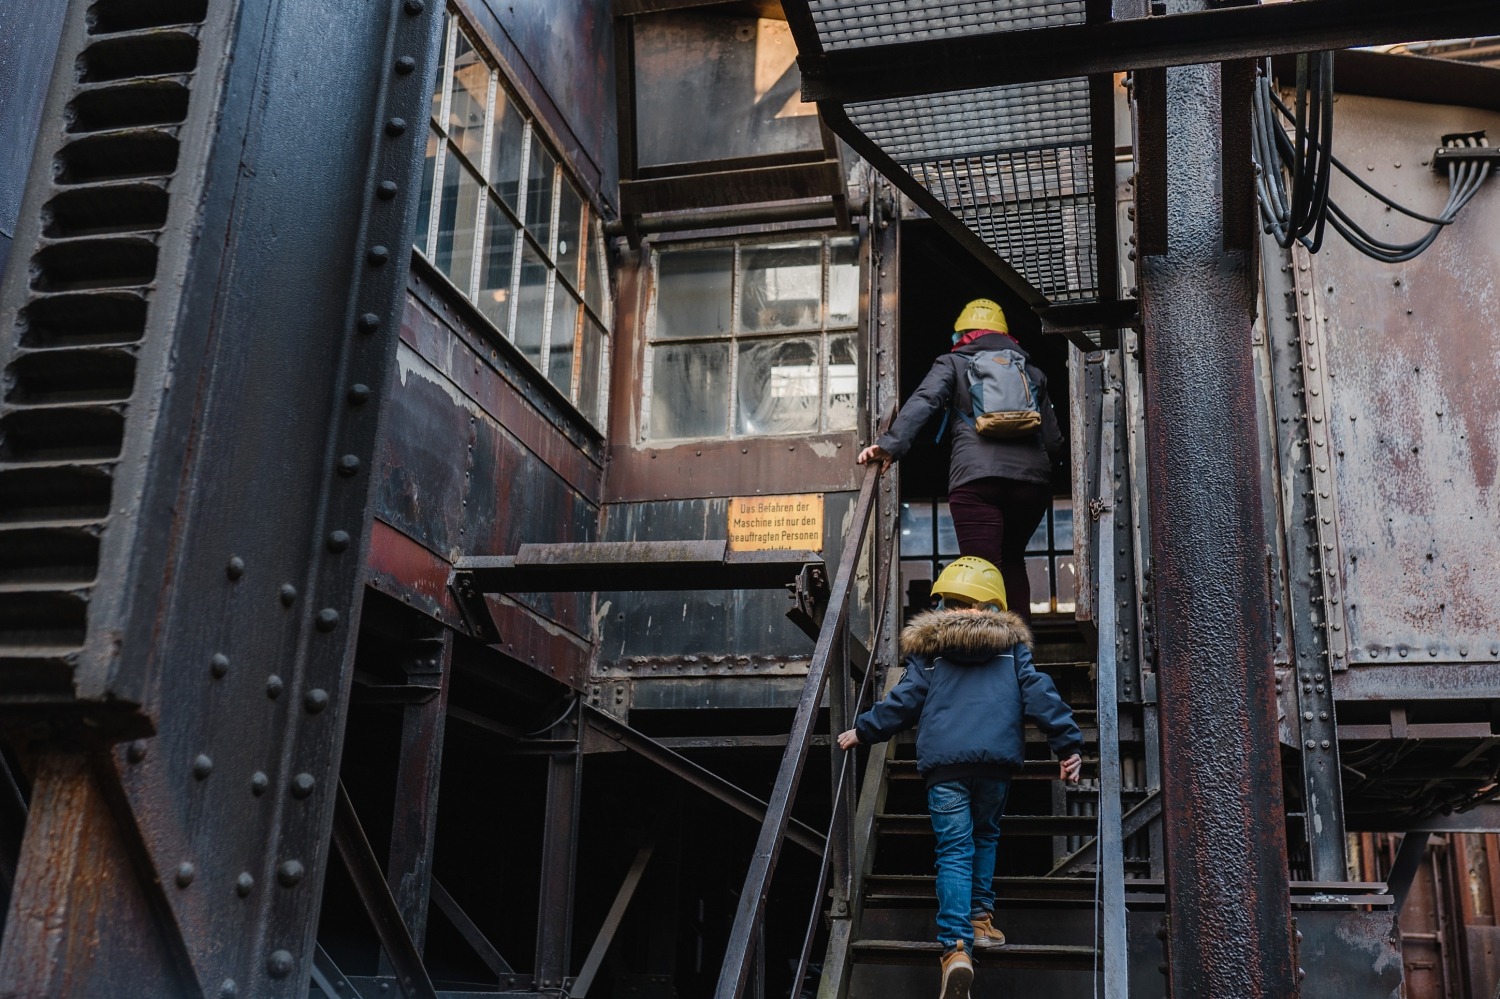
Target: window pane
843 383
564 329
531 304
947 537
539 194
781 287
1062 524
456 218
916 582
689 390
505 148
569 233
590 372
692 292
593 281
494 293
1041 585
778 387
843 282
470 100
424 205
1067 585
1038 542
916 530
442 74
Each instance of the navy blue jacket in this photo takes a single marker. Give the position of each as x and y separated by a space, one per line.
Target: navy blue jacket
971 683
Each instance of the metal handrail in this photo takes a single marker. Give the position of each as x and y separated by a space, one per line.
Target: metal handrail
748 914
839 820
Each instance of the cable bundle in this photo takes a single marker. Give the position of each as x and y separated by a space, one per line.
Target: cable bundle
1301 215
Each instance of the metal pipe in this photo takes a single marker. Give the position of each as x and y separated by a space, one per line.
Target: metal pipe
1229 933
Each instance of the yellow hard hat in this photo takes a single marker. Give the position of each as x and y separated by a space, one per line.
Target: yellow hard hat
971 578
982 314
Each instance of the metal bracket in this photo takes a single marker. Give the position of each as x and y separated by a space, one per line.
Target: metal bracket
809 592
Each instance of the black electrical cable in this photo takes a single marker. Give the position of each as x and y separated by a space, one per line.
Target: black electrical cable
1300 215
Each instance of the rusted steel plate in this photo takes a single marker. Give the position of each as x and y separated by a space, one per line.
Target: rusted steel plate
765 467
1409 355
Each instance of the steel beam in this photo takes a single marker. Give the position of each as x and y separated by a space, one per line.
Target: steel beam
554 924
472 935
612 921
1228 934
414 827
631 565
996 58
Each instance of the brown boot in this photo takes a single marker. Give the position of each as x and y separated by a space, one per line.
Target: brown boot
958 973
985 933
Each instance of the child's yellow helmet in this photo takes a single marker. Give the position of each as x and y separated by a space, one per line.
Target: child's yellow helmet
982 314
971 578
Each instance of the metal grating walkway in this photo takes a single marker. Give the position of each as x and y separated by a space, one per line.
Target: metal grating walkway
856 23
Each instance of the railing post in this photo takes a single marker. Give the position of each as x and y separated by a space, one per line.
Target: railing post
1110 853
838 721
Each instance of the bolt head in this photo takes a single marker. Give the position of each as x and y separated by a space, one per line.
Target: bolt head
315 700
235 567
218 665
288 594
229 989
244 884
280 963
302 786
274 686
387 190
338 541
378 255
259 782
328 619
290 873
395 126
415 7
359 394
185 874
136 751
348 465
203 766
405 64
369 322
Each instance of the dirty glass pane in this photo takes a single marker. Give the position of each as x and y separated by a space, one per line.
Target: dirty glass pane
564 329
692 292
594 292
539 180
916 582
456 219
590 374
442 75
570 222
689 390
531 304
916 530
843 282
947 537
843 383
781 287
1038 542
1062 525
424 203
778 387
1041 585
713 85
494 295
470 101
505 148
1067 585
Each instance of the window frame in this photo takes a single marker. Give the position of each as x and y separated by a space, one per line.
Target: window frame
736 336
591 227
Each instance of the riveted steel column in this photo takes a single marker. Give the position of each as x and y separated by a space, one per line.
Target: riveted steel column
1229 934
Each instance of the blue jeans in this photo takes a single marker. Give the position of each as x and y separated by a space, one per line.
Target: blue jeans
966 819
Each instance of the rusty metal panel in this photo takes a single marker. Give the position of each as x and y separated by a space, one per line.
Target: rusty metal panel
711 622
1408 356
722 468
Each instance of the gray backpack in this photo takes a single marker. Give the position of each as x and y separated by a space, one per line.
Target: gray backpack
1003 402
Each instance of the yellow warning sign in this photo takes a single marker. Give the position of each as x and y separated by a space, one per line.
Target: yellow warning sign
765 523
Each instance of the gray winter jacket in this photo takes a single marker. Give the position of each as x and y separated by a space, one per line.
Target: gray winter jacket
1028 459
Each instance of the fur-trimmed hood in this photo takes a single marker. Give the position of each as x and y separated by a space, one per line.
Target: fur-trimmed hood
963 635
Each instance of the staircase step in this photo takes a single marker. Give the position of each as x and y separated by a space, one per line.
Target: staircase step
906 769
898 888
1059 957
1010 825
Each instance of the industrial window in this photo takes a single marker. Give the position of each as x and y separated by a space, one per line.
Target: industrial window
752 340
929 543
513 232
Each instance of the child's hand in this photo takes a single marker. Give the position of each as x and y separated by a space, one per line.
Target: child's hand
848 740
1069 770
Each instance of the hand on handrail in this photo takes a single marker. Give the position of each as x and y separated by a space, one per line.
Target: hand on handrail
875 453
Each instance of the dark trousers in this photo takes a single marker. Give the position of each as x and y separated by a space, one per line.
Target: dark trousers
994 518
